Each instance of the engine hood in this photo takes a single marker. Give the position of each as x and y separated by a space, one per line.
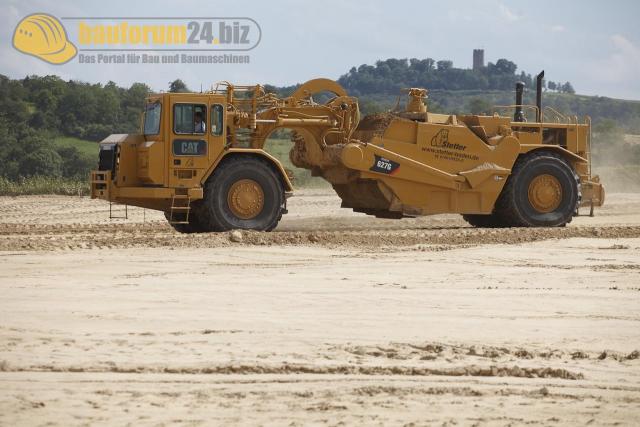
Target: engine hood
117 138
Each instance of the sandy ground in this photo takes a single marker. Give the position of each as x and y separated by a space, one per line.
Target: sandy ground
335 318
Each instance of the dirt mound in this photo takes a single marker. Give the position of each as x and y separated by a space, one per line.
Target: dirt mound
158 234
288 368
372 124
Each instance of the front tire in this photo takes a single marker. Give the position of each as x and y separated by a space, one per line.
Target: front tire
542 191
483 221
194 226
243 192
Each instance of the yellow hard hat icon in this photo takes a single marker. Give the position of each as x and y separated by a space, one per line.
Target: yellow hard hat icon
44 37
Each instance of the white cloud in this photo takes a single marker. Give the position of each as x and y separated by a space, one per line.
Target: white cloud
508 14
629 52
558 29
624 63
615 73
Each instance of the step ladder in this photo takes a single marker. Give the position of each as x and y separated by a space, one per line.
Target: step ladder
180 208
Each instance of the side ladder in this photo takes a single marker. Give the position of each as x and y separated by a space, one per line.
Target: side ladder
180 209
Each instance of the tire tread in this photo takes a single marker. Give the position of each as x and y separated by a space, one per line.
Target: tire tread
506 207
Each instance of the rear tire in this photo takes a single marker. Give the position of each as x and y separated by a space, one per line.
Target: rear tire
542 191
243 192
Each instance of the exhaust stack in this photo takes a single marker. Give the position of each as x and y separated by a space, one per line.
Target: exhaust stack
539 96
519 115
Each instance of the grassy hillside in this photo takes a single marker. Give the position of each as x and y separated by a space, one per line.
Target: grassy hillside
85 148
87 153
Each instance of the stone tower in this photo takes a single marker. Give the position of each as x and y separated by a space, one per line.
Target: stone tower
478 59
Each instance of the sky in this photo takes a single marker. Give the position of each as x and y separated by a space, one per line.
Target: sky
593 44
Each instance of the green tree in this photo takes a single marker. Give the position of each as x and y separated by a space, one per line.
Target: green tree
444 65
74 163
178 86
369 106
43 161
567 88
479 106
131 105
504 66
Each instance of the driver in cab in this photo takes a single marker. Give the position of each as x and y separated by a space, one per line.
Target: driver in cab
199 125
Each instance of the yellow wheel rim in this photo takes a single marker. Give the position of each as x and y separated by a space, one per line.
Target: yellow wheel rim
545 193
245 198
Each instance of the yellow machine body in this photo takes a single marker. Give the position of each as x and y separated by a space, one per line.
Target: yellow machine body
401 163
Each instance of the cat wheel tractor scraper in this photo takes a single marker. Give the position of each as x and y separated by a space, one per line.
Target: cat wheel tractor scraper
199 158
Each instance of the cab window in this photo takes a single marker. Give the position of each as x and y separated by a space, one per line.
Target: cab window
217 118
189 118
152 118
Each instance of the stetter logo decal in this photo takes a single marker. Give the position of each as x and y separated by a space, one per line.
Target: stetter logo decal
441 149
441 140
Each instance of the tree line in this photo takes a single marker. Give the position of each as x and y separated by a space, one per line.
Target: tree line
35 110
391 75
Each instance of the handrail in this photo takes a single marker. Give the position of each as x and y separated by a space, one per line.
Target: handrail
558 115
525 106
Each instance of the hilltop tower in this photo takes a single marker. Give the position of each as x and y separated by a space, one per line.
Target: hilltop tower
478 59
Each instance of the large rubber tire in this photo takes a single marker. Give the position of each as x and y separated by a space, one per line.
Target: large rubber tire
513 205
484 221
194 225
215 212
